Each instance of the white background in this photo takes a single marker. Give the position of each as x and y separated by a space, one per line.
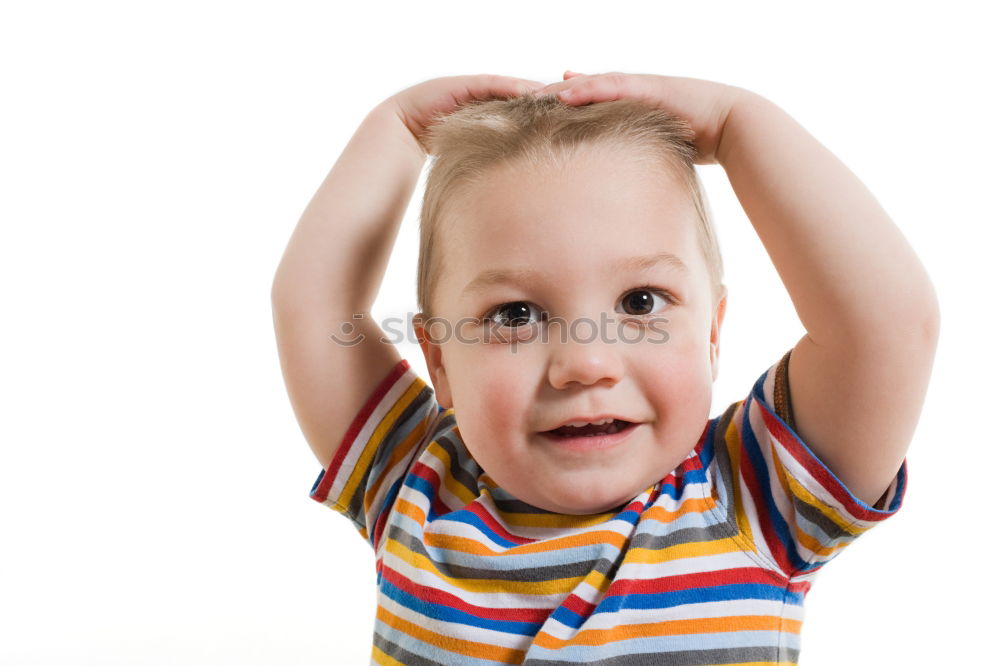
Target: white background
155 158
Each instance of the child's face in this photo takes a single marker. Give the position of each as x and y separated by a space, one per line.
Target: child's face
570 226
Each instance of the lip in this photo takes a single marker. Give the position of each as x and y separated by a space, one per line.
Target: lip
593 443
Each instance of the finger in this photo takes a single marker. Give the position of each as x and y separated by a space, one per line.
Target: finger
554 88
488 86
569 74
600 89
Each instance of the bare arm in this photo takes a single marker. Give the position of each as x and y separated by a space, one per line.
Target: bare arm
338 253
859 376
340 248
331 270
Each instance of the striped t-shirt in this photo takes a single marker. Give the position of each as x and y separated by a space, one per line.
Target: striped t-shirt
709 566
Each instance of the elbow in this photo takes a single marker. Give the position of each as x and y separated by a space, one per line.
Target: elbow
282 283
930 322
907 332
917 337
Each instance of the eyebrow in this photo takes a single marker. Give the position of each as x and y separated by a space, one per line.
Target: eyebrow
489 278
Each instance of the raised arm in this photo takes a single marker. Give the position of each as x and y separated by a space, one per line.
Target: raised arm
331 270
335 260
859 376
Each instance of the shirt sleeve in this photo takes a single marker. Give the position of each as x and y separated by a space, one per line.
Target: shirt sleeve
784 500
395 424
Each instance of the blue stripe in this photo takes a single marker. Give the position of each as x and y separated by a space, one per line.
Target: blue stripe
448 614
755 454
318 480
758 394
664 600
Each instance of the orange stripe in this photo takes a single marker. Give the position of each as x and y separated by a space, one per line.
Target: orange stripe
452 644
708 625
663 515
410 510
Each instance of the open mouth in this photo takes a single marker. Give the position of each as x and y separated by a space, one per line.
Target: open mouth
591 438
590 430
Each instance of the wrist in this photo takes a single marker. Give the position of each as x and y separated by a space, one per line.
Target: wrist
391 114
741 104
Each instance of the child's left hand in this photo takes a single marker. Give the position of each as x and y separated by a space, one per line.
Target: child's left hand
705 105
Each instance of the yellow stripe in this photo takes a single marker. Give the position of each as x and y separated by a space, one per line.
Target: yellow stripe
784 479
463 494
803 493
449 643
792 489
732 439
685 550
401 451
364 460
483 585
380 657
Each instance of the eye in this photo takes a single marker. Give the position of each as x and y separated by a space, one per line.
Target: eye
642 300
511 315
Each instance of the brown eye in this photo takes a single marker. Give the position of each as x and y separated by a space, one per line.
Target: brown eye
643 301
510 315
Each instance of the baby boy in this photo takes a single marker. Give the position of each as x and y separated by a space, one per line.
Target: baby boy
561 494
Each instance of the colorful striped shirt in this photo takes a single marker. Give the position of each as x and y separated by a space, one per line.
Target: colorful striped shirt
709 566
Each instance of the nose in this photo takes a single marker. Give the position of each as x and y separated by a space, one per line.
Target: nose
585 362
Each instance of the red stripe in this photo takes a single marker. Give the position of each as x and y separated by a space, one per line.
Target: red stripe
322 492
697 580
776 547
430 475
689 465
811 462
494 526
575 604
433 595
579 606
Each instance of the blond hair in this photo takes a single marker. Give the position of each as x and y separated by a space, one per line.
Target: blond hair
479 136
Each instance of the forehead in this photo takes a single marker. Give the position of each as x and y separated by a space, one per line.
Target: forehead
571 218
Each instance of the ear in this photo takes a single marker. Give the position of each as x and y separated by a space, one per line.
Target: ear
431 347
720 313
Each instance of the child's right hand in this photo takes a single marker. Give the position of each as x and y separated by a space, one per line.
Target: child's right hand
419 105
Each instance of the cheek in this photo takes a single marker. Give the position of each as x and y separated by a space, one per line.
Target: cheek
678 377
492 410
494 387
